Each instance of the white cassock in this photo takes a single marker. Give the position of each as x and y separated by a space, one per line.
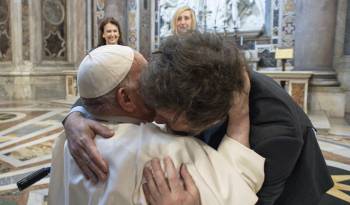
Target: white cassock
231 175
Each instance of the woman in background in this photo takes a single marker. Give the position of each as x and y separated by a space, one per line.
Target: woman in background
184 20
110 32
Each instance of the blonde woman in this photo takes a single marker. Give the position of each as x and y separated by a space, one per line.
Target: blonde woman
184 20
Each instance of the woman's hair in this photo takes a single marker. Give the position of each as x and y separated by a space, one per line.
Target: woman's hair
101 40
178 12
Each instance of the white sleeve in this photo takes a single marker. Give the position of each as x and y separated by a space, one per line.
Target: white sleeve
249 163
219 181
80 109
56 185
220 178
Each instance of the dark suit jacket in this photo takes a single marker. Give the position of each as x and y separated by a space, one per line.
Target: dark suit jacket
295 170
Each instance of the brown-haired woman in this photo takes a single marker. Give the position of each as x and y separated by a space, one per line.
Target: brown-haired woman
110 32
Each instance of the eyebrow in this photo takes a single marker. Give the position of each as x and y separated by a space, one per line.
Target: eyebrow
112 29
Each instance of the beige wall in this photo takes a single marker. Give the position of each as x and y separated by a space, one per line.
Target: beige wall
36 78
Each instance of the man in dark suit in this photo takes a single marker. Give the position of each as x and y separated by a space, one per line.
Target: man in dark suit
280 131
295 171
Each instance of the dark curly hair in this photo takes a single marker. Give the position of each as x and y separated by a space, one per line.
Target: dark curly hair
195 74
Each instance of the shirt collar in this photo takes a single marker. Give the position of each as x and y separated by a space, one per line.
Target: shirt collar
117 119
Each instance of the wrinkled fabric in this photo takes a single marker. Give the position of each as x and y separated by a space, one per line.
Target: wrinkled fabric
232 175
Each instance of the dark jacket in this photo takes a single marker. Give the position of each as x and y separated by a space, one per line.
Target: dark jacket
295 170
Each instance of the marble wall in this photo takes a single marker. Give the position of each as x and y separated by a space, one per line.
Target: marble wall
39 40
5 31
25 30
347 31
287 27
145 40
42 38
133 22
341 60
100 6
54 30
330 100
40 87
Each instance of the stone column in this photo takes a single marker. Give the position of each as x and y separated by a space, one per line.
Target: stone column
314 39
145 27
16 27
77 26
341 59
21 89
119 10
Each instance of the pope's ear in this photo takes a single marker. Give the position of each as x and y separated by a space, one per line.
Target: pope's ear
124 100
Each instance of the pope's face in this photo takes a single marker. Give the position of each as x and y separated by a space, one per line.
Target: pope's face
143 112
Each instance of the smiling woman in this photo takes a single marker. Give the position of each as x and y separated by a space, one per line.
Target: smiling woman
110 32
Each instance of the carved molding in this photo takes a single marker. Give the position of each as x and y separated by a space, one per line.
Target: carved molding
54 30
3 14
5 34
54 44
53 12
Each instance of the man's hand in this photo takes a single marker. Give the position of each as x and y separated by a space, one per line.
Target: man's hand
80 133
239 124
172 190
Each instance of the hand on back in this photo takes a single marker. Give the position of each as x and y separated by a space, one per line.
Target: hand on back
175 189
80 133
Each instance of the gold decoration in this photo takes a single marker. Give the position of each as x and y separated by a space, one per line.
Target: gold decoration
339 188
